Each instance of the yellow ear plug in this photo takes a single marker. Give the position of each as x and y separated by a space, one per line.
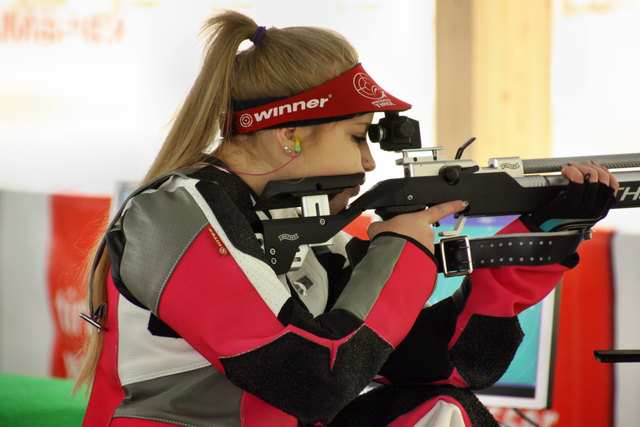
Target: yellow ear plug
296 143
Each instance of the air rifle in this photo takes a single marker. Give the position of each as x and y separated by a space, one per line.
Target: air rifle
507 186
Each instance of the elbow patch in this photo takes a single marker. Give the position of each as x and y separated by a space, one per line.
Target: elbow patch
485 349
295 374
423 356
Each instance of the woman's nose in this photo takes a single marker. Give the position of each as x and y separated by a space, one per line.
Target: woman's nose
368 163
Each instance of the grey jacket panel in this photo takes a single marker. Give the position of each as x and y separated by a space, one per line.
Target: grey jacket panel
205 394
370 276
158 227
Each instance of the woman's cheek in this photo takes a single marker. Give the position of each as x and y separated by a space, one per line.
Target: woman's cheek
339 202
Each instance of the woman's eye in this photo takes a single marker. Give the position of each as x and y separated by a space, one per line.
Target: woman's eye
358 138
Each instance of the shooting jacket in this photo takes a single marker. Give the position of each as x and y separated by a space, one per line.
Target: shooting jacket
201 331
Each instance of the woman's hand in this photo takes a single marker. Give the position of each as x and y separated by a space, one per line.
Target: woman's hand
587 199
417 225
590 172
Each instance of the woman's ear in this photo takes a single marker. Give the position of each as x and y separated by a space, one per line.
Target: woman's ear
289 140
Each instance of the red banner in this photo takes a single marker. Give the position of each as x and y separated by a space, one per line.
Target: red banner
76 224
583 387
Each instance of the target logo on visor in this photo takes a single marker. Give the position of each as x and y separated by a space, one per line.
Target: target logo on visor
367 87
246 120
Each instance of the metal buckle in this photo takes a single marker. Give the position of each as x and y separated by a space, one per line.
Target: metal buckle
96 316
464 246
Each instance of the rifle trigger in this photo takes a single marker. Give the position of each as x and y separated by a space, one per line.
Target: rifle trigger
457 228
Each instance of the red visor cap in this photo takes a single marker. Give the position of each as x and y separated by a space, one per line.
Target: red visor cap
351 93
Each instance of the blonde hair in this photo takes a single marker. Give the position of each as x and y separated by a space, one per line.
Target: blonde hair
284 62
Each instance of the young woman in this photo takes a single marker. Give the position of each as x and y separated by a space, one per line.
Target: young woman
196 328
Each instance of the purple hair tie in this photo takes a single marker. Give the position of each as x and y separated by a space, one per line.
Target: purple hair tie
258 35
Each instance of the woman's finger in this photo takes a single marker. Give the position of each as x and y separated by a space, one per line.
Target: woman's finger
437 212
612 181
588 172
603 174
572 173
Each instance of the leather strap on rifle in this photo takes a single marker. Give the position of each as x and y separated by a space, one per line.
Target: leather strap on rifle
460 255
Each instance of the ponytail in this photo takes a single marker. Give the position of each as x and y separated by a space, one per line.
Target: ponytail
208 104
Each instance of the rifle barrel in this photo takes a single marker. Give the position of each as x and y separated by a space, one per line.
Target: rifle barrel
554 164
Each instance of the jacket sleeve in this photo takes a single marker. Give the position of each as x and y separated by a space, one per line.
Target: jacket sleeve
470 338
214 288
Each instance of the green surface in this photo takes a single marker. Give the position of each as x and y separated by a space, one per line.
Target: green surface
42 402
